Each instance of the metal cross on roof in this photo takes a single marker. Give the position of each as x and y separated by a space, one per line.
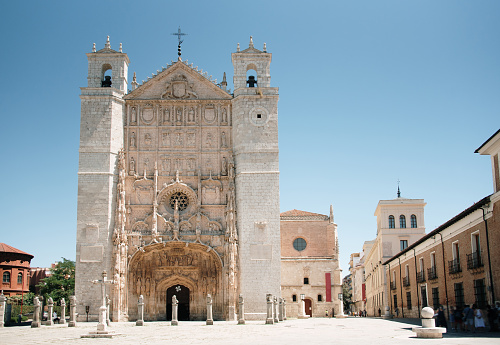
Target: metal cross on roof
179 34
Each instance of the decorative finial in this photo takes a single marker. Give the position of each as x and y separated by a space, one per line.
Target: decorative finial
250 45
265 48
134 83
331 214
179 34
120 48
399 192
134 79
93 48
107 45
238 48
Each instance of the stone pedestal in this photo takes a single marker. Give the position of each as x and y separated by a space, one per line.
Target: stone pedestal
63 312
269 317
175 306
36 313
72 311
340 314
387 315
102 326
428 329
2 309
241 311
210 320
140 312
284 309
108 302
275 310
280 318
50 305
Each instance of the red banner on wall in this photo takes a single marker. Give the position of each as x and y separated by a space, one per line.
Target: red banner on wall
363 292
328 281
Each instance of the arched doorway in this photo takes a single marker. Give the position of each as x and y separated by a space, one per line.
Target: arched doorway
182 294
308 307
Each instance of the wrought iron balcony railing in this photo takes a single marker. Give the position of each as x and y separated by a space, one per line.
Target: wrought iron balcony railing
393 285
432 273
454 266
474 260
406 281
421 276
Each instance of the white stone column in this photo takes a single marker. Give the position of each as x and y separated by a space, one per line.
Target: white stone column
140 312
269 318
36 313
50 304
275 310
108 301
284 309
63 312
72 311
175 305
280 309
241 311
2 309
210 320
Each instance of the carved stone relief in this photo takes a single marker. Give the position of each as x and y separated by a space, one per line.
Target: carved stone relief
191 139
133 115
133 144
148 115
165 139
178 139
191 114
210 114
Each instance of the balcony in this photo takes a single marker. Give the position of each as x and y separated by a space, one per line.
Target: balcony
393 285
474 260
454 266
432 273
406 281
421 276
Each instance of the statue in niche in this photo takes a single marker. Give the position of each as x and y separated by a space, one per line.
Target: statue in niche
223 139
166 165
178 139
165 139
224 166
230 169
147 139
132 140
166 117
178 117
133 116
209 139
132 166
191 115
146 163
191 139
224 115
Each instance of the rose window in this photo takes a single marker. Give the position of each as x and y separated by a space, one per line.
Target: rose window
182 201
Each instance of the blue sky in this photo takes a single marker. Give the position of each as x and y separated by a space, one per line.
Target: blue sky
370 92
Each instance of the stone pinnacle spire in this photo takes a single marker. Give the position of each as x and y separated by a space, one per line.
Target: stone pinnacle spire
250 45
108 44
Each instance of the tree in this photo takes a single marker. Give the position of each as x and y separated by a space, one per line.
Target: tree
61 282
346 296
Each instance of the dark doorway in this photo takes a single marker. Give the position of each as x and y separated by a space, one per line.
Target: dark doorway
308 307
182 294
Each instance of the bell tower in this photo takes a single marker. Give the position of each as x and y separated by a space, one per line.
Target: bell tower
255 147
101 138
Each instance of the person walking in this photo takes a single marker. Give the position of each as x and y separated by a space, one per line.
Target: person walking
452 318
459 325
469 319
478 319
441 318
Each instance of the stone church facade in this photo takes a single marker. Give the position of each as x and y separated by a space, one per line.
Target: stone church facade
178 189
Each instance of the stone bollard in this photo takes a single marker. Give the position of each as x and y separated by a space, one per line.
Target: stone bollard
280 309
284 309
63 312
275 309
387 315
108 302
428 329
241 311
270 318
210 320
36 313
175 305
2 309
50 304
140 312
72 311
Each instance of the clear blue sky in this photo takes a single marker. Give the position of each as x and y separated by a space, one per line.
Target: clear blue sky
370 92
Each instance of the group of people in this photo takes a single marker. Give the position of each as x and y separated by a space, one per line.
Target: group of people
469 319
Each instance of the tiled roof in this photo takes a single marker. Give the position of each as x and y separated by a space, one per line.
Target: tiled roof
9 249
298 214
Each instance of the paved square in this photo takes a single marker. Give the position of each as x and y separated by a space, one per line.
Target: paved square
311 331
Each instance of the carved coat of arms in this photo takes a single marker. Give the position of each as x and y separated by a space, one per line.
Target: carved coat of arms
179 87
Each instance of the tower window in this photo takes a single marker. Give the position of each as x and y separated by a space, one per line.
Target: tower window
294 298
413 221
392 224
403 244
259 116
306 281
20 278
320 298
6 277
402 221
106 76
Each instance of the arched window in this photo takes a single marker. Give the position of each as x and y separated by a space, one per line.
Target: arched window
107 73
402 221
20 278
6 277
251 76
413 221
392 224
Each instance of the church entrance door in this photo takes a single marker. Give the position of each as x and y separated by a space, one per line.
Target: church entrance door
182 294
308 307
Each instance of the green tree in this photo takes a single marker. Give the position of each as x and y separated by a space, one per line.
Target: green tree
61 282
346 296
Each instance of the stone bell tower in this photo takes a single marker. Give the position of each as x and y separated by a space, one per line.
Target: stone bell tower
255 147
101 138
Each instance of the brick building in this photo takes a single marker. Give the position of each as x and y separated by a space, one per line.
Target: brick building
309 263
458 263
15 269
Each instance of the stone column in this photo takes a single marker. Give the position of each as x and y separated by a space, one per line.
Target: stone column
280 309
2 310
175 305
275 309
241 311
50 304
284 309
72 311
140 312
269 319
63 312
108 301
36 313
210 320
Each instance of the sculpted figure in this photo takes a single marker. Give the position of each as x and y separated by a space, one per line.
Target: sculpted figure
133 116
132 140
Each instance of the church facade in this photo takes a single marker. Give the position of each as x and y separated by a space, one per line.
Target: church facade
178 189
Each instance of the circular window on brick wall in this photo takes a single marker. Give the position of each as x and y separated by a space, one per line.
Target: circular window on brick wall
299 244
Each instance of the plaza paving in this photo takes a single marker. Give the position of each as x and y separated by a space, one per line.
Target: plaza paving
309 331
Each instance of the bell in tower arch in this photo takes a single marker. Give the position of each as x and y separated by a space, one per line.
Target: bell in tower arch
251 81
106 82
